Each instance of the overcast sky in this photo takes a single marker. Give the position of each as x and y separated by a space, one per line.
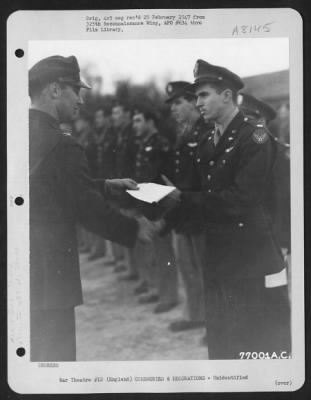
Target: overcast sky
166 59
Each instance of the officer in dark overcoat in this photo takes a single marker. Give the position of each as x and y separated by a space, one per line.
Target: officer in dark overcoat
62 194
244 312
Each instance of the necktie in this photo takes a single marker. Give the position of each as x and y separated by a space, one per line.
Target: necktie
216 137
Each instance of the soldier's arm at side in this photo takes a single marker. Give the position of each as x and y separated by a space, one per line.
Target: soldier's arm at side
89 205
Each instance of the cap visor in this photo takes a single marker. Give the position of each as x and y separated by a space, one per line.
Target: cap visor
180 94
83 85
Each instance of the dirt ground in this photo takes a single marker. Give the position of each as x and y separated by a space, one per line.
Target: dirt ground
111 325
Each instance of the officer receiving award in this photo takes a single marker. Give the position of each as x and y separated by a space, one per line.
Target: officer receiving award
156 192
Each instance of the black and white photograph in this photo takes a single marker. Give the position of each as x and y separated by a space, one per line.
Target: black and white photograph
163 237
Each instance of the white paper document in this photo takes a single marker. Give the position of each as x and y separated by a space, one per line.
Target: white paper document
151 192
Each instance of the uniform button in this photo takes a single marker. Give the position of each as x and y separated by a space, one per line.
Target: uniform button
177 170
224 161
240 224
177 153
209 177
138 164
198 160
191 153
209 191
211 163
210 138
196 132
177 161
245 119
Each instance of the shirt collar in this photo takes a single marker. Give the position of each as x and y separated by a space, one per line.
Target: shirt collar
222 127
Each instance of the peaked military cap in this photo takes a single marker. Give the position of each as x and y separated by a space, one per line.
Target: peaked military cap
147 109
56 69
205 72
253 107
178 88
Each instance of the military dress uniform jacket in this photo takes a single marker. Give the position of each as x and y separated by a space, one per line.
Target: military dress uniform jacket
239 239
62 194
125 150
186 175
106 154
153 157
185 171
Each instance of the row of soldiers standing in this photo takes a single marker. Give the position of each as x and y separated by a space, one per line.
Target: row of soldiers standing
130 144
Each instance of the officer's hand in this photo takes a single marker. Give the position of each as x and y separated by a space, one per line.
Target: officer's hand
146 230
119 186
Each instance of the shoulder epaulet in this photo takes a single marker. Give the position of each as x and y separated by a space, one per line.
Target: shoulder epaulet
279 142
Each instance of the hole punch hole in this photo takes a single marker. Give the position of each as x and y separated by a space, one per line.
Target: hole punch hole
19 201
21 352
19 53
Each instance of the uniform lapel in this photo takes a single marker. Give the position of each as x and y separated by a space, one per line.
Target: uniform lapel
207 148
228 138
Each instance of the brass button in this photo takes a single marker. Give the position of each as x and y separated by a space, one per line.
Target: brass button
198 160
211 163
240 224
209 177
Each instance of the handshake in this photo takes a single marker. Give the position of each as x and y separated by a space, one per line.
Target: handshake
147 230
